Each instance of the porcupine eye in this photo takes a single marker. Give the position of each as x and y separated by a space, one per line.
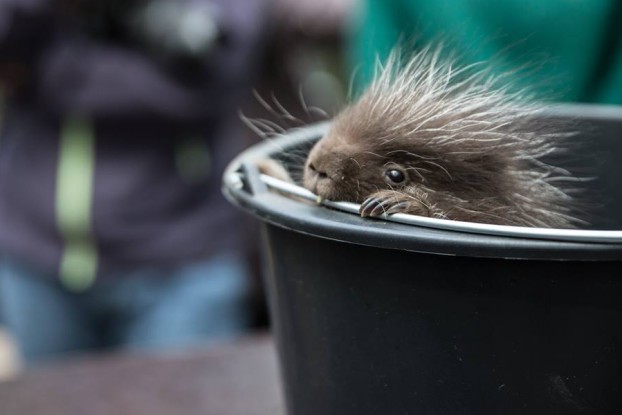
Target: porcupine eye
396 176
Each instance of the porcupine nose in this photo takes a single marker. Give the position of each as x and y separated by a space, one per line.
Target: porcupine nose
320 174
314 178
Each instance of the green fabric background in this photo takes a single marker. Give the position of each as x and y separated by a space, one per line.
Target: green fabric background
572 48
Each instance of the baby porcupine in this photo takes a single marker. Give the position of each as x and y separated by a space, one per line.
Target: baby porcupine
432 139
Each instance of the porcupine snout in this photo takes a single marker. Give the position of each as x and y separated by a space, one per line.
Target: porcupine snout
331 170
315 171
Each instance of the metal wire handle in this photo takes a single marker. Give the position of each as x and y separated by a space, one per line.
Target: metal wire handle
573 235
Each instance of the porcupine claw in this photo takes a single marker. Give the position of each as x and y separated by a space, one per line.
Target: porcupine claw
368 206
379 206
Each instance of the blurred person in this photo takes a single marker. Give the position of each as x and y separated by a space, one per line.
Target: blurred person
119 119
564 50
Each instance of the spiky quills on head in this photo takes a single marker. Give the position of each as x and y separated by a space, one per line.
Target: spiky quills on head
458 131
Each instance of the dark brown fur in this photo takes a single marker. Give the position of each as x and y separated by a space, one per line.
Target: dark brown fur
469 149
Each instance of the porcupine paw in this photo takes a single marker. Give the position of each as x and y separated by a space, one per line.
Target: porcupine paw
390 202
273 168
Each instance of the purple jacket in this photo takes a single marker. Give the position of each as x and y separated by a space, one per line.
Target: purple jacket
157 143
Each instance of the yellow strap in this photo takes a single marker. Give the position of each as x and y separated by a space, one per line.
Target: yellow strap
74 196
193 159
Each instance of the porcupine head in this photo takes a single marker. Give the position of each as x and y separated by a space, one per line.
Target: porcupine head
430 138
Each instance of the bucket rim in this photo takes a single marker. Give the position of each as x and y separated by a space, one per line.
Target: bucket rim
484 239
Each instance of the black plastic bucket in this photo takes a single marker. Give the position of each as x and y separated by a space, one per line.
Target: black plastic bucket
376 317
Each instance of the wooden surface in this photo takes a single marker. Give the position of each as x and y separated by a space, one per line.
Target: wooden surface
234 379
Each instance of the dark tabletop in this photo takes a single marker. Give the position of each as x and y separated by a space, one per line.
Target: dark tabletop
240 378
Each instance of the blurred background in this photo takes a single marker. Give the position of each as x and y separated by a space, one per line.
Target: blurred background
119 116
118 120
